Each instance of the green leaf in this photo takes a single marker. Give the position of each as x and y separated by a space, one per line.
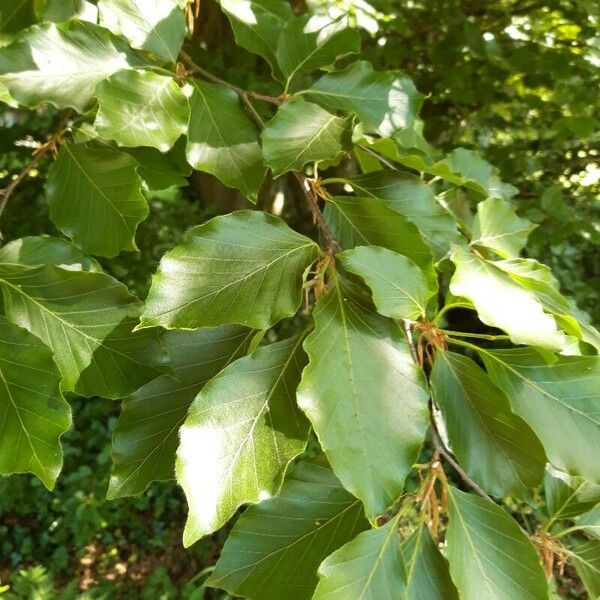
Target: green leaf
241 433
370 567
564 394
16 15
40 250
413 198
400 289
95 198
369 221
140 108
590 523
302 132
157 26
384 101
257 25
427 576
498 227
305 45
47 64
490 556
59 11
368 406
86 319
161 171
222 139
315 516
146 437
246 267
503 303
33 413
568 496
586 559
501 452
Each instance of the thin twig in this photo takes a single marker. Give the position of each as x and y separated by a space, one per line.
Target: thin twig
38 154
198 70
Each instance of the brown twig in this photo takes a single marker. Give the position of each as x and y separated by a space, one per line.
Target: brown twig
38 154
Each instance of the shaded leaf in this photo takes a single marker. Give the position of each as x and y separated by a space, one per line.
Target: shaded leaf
315 515
369 406
140 108
568 496
86 319
501 452
161 171
302 132
586 559
95 197
16 15
490 556
222 139
246 267
241 433
33 413
146 436
59 11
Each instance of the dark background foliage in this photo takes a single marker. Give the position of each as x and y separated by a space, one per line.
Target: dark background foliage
517 80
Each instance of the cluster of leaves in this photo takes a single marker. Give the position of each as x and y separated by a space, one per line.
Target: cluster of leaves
411 236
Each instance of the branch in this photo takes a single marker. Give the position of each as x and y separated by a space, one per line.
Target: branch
37 155
198 70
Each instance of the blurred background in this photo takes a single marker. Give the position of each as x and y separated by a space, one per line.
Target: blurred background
516 80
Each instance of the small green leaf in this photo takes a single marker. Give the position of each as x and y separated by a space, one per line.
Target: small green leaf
370 567
222 139
246 267
369 406
146 437
157 26
86 319
427 575
315 516
498 227
586 559
59 11
490 556
568 496
302 132
565 393
590 523
400 289
384 101
503 303
47 64
501 452
161 171
241 433
40 250
413 198
33 413
95 197
305 45
140 108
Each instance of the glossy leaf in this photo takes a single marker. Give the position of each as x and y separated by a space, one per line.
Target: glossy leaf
40 250
46 64
568 496
384 101
560 401
146 436
306 45
302 132
498 227
86 319
370 567
241 433
413 198
369 406
501 302
427 575
246 267
222 139
157 26
500 452
140 108
315 516
33 413
400 288
95 198
490 556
